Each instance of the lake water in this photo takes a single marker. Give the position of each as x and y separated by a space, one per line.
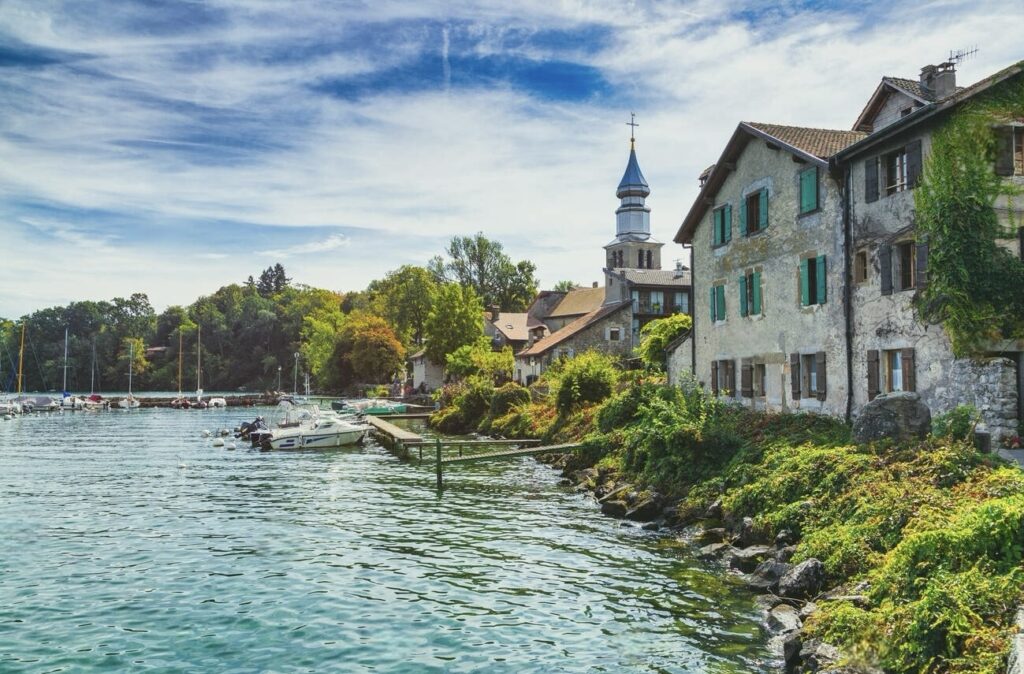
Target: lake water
129 543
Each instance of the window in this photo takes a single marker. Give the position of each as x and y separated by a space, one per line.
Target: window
649 258
809 190
813 281
614 334
718 302
905 265
640 259
750 293
860 267
636 330
657 301
896 171
808 367
890 370
759 380
722 221
682 303
906 111
754 212
635 296
1010 150
723 377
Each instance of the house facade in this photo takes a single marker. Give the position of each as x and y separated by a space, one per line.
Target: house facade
826 320
768 259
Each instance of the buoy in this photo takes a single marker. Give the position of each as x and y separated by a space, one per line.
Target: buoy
231 445
206 434
218 442
225 431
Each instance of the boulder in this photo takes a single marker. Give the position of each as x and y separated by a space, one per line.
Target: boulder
614 508
714 511
898 416
714 550
786 553
714 535
783 619
772 571
791 651
747 559
746 535
785 538
816 655
645 509
804 580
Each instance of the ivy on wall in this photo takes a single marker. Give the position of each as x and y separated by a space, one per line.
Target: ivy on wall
975 287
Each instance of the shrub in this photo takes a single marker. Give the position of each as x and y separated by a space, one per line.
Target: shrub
957 424
467 404
508 396
588 378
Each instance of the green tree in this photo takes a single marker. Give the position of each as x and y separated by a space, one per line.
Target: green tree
479 358
367 351
565 286
456 319
657 335
482 264
403 298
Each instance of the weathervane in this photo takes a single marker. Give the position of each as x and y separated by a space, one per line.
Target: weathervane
632 132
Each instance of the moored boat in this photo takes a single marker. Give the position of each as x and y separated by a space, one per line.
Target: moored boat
374 406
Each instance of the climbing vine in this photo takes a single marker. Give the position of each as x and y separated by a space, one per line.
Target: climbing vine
975 286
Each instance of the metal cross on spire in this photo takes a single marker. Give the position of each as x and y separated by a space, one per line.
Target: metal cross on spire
632 131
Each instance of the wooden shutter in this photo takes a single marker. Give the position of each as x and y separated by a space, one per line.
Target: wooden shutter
794 375
730 376
747 378
805 284
808 190
756 288
714 377
885 268
819 366
742 283
716 227
762 214
714 316
822 280
921 268
743 216
727 223
913 151
873 378
720 304
1004 150
909 380
871 180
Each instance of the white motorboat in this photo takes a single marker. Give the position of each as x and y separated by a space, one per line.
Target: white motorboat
217 402
304 427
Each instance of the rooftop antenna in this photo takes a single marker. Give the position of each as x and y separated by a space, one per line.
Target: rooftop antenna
632 131
960 55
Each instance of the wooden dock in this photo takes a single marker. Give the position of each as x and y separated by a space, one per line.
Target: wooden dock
391 432
410 415
509 453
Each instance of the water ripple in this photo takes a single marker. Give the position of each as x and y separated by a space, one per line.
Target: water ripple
130 543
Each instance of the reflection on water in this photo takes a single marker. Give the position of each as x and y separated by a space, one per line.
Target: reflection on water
129 543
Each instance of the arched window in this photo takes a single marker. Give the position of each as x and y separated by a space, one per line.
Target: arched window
640 259
649 256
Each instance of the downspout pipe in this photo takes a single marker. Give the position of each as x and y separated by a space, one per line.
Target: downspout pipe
847 196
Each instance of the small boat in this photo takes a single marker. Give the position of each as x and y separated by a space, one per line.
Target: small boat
129 402
305 427
375 406
217 402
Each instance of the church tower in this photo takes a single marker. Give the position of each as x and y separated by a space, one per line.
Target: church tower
633 247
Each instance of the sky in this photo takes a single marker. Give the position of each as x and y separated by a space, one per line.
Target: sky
171 147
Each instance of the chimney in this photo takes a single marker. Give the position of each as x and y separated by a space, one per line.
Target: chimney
495 312
594 285
939 80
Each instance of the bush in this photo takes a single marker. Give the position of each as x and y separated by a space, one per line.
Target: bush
508 396
588 378
957 424
466 404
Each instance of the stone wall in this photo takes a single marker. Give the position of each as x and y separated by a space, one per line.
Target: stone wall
988 384
678 363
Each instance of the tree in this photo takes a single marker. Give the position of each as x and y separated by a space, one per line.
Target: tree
565 286
367 351
482 264
272 280
479 358
404 297
456 319
657 335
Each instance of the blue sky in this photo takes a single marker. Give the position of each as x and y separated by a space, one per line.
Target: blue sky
173 147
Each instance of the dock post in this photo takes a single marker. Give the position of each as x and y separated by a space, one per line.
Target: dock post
438 447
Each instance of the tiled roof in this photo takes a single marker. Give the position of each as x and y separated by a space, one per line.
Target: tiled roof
574 328
912 87
822 143
656 277
515 327
577 302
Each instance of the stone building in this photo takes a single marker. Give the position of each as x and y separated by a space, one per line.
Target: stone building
834 278
637 290
768 258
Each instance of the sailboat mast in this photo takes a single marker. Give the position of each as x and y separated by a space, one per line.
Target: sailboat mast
21 356
199 361
92 370
131 360
64 387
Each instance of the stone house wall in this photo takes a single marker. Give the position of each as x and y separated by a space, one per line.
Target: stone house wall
992 390
678 361
785 327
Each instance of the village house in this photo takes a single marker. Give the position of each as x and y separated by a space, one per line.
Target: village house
809 291
636 291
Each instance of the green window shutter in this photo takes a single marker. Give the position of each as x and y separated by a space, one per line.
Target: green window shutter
727 222
756 283
720 304
809 190
743 295
743 217
716 235
822 280
805 291
762 216
713 316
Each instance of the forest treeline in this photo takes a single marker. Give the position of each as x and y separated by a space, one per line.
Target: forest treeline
266 332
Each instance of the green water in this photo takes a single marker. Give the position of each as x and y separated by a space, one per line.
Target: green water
128 543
